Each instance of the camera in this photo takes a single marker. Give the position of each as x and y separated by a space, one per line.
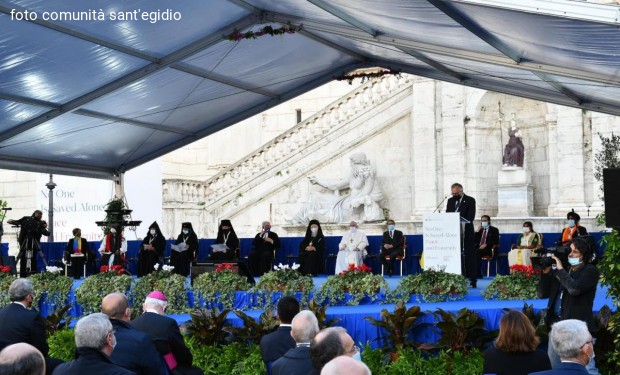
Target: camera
544 260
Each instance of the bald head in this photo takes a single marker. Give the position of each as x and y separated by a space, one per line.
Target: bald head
304 327
345 365
115 306
21 359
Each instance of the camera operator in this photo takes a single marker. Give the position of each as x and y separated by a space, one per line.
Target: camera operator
571 288
31 230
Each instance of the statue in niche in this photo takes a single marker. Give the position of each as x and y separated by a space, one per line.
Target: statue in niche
514 151
360 204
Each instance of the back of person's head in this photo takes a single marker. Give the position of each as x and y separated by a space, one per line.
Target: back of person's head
115 306
92 331
516 333
326 345
569 337
288 307
156 300
305 326
21 359
20 289
345 365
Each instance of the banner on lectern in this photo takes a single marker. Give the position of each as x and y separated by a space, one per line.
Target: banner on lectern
442 241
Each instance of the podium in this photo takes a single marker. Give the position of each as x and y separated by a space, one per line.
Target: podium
442 241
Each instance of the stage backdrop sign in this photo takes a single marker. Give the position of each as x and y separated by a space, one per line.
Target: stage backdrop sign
442 241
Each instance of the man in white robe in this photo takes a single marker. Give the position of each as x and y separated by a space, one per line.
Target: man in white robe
352 248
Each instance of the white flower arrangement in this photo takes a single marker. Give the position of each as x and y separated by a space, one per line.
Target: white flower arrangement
167 268
53 269
156 266
283 267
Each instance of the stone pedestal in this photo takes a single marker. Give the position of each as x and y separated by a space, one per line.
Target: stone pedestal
515 196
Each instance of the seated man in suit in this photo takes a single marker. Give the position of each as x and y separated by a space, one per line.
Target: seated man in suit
487 241
274 345
20 359
392 246
573 343
296 361
165 333
134 350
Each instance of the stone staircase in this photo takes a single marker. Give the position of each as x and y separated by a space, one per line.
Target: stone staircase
331 132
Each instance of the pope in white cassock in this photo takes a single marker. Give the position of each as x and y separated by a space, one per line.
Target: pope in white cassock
352 248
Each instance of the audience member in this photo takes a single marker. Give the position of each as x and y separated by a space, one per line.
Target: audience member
226 236
515 351
263 250
311 250
352 248
345 365
487 242
296 361
21 359
134 349
329 344
275 344
392 245
574 345
95 342
165 333
528 241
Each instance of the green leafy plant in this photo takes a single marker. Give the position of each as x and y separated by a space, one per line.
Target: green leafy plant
358 282
219 286
5 282
433 285
460 332
52 287
397 326
62 345
607 157
604 344
285 279
252 331
236 358
411 361
58 320
538 321
320 311
520 284
610 276
95 287
207 326
3 204
172 285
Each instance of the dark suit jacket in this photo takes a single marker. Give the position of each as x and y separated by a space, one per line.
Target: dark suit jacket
492 239
85 249
164 330
18 324
275 344
398 242
90 361
260 245
467 208
522 363
565 368
135 351
296 361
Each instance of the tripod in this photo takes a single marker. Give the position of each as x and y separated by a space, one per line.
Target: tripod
26 256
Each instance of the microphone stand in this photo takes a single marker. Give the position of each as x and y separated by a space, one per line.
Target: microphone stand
440 203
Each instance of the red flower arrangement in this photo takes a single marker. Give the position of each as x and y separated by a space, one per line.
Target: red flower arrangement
117 268
222 267
5 269
267 30
353 268
527 271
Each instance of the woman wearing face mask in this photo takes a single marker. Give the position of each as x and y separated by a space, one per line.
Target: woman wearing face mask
571 289
180 259
226 236
528 241
151 251
311 250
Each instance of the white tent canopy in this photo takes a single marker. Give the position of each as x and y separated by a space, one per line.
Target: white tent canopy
91 97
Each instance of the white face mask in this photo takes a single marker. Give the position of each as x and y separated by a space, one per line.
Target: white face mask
571 223
526 229
113 342
153 232
573 261
358 356
314 231
185 231
353 229
485 224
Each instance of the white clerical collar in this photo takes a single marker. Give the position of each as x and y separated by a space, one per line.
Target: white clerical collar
285 325
152 310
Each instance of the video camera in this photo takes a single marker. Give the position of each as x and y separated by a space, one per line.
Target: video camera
544 260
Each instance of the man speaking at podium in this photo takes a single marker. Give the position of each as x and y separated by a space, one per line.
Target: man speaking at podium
466 207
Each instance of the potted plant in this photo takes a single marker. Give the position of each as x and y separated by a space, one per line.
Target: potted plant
51 287
172 285
434 285
520 284
352 286
219 286
5 281
283 280
94 288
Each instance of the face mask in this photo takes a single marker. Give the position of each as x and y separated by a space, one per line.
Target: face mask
571 223
526 229
358 356
112 230
353 229
185 231
391 227
485 224
314 230
574 261
153 232
113 342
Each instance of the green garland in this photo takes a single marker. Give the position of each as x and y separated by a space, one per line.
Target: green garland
349 77
5 281
431 286
54 286
358 282
267 30
219 286
172 285
95 287
283 279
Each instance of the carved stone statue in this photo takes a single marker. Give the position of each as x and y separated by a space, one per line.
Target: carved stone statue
514 150
360 204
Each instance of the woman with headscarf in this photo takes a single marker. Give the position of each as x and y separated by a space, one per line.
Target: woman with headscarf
151 251
180 259
226 236
311 249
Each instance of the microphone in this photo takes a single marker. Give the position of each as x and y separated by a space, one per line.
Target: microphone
6 208
440 203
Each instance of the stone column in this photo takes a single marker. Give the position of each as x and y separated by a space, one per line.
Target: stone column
552 128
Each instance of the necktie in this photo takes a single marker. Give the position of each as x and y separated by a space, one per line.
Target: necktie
456 207
391 234
484 237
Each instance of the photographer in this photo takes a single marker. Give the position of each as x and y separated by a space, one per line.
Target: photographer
32 228
571 288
